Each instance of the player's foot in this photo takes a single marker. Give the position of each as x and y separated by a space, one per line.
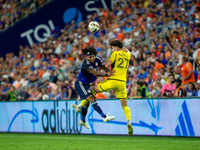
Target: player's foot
75 106
130 128
108 118
83 124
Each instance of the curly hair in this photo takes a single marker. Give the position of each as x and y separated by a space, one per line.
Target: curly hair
89 49
117 43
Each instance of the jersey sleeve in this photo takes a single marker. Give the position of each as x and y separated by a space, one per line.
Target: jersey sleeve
113 57
87 67
99 60
189 67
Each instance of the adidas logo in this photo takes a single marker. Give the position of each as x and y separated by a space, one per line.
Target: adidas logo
184 128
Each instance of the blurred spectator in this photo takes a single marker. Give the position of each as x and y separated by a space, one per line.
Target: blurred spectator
12 95
18 82
140 90
2 96
53 76
68 91
197 85
38 95
50 93
180 91
168 90
190 90
23 95
157 89
52 85
58 94
100 96
151 91
12 11
187 72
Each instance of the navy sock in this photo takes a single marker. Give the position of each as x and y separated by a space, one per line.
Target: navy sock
83 113
98 109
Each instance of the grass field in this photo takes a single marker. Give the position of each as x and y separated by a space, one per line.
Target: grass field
10 141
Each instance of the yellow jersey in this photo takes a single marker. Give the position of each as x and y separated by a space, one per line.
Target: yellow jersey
120 64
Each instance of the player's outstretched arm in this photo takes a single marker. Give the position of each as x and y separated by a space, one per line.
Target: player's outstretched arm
104 68
101 74
108 64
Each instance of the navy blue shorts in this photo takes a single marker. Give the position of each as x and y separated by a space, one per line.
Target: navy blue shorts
83 89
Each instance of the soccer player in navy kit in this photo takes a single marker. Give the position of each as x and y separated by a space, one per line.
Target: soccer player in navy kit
88 74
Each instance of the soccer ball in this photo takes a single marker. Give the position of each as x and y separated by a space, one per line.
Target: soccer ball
93 26
45 97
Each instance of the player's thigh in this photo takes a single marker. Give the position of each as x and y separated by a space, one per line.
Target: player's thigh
106 86
121 92
82 89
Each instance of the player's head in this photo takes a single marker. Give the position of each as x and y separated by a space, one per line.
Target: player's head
90 53
116 45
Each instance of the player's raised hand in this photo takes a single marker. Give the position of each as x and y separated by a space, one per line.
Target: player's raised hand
111 73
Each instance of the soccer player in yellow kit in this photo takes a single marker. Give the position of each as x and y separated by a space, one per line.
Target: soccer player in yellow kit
119 62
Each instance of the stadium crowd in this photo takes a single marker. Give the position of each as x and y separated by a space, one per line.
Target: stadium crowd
13 10
167 67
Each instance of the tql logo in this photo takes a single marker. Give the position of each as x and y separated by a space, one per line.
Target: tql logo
35 32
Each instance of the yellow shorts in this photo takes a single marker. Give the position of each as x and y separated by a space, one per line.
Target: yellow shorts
118 86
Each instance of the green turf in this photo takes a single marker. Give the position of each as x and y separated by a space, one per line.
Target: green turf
10 141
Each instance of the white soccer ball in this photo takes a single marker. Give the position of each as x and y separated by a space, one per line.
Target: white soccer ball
45 97
93 26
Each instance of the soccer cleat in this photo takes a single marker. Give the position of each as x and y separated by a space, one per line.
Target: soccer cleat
108 118
75 106
83 124
130 128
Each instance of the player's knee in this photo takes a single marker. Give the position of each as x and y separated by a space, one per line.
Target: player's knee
91 98
124 107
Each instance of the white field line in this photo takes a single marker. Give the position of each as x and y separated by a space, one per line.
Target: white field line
103 139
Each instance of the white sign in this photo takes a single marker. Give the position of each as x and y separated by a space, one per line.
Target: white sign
164 117
46 34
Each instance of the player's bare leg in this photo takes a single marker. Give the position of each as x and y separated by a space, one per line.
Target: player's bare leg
83 115
127 113
96 107
125 107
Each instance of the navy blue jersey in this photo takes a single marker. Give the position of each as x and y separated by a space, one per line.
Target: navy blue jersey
85 76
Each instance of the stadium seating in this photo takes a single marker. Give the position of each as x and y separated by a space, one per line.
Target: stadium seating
157 32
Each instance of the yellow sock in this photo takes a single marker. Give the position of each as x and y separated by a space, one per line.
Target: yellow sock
93 92
127 112
84 102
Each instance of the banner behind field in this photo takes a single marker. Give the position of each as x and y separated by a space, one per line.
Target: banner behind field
164 117
37 27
